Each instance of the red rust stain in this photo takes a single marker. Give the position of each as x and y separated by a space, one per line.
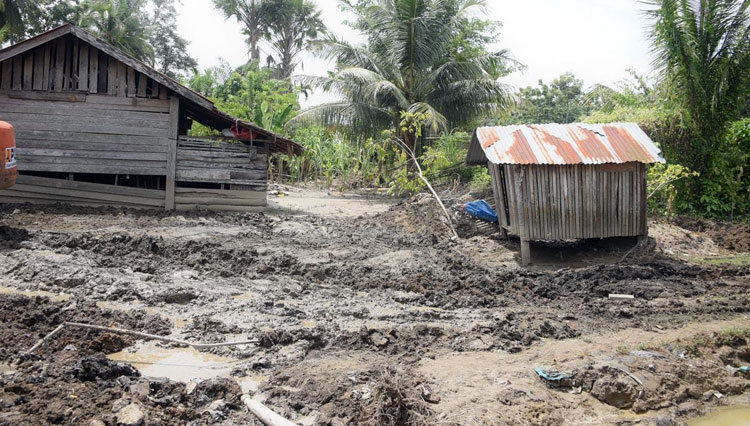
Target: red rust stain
520 151
591 146
626 147
489 137
563 147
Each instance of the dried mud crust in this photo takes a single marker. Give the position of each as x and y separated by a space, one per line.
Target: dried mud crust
71 382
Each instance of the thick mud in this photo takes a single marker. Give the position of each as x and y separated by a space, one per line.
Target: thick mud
348 312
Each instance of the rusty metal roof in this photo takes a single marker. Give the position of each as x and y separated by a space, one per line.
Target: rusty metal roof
561 144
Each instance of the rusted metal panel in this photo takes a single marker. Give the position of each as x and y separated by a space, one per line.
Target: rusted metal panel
565 144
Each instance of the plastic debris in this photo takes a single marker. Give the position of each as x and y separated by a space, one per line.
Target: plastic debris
482 210
552 376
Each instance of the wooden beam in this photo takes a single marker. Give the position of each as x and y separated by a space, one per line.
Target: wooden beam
28 71
83 68
142 68
17 73
523 214
131 83
47 51
174 121
94 72
39 69
60 65
34 42
7 79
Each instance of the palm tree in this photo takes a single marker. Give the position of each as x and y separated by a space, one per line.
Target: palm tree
406 68
12 14
119 22
290 27
702 51
252 15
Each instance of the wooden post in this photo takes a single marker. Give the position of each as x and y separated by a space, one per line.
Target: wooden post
174 133
523 215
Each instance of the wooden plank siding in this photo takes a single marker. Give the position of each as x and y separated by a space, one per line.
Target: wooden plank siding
83 137
39 190
68 64
575 201
242 170
79 106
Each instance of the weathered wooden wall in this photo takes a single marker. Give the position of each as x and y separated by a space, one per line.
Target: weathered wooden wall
68 64
76 109
572 202
240 168
93 134
38 190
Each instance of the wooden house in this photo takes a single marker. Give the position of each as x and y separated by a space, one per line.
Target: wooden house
95 126
567 182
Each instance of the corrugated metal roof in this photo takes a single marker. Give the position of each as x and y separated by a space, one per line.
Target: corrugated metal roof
561 144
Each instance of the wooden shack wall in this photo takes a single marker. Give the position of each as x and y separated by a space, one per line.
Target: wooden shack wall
76 109
576 201
240 169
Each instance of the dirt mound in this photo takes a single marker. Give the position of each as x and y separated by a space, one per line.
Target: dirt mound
72 383
729 235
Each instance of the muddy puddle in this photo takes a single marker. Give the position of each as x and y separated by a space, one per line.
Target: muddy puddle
55 297
178 364
726 416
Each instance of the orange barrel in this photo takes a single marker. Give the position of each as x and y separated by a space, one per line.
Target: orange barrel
8 169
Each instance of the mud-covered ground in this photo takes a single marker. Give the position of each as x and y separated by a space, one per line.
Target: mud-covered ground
368 318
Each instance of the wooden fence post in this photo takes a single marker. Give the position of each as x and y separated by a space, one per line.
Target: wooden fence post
174 133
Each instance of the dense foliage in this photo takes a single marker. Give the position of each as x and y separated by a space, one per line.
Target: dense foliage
414 60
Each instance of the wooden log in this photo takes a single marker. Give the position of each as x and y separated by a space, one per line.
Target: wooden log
83 120
81 152
79 109
91 127
87 195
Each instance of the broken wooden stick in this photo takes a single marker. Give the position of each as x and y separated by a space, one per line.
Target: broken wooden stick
265 414
427 183
135 334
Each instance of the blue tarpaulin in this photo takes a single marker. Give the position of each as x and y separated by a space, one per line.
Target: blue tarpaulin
481 210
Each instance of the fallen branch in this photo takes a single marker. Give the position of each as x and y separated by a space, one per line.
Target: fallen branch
265 414
427 183
135 334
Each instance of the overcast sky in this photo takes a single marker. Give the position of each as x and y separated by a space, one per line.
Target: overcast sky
595 39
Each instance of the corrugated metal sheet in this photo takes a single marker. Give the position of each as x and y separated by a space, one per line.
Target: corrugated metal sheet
562 144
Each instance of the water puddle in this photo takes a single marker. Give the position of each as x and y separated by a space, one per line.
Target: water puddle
55 297
178 364
726 416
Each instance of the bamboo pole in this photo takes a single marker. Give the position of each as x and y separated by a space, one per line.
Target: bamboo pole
265 414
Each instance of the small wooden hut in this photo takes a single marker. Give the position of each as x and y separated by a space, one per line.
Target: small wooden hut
95 126
567 182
